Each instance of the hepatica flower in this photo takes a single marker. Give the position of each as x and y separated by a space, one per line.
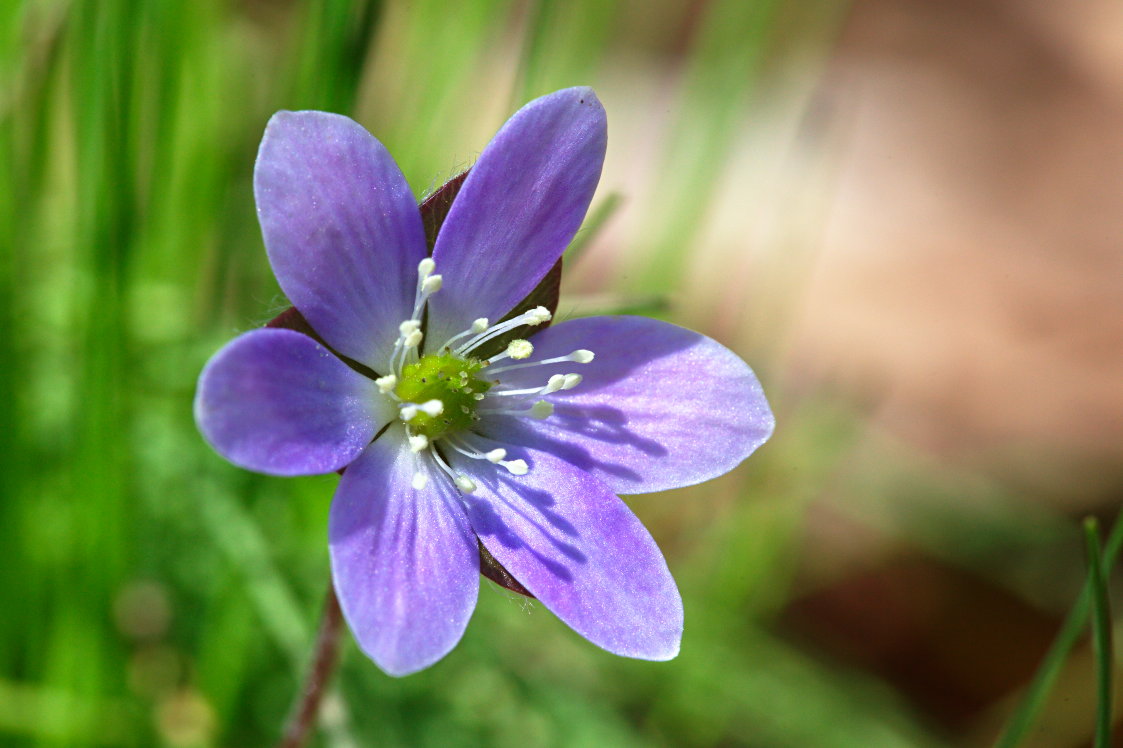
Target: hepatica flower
458 419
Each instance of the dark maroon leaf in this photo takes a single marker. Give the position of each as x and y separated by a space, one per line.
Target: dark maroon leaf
435 208
494 571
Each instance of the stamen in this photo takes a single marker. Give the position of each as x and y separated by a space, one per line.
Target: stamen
408 412
431 285
463 482
425 268
516 467
433 407
386 384
541 409
555 383
420 480
535 316
581 356
496 455
517 349
477 327
418 443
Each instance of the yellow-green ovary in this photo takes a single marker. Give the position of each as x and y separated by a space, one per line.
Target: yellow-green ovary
449 379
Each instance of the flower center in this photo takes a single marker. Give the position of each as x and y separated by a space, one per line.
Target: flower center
449 380
438 394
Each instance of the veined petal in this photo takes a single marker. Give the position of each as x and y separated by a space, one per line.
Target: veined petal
341 228
404 562
518 209
659 407
277 402
578 548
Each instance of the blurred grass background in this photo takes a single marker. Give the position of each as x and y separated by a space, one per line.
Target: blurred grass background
884 206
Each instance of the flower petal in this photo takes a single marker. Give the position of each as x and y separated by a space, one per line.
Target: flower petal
659 407
521 205
405 563
341 228
277 402
578 548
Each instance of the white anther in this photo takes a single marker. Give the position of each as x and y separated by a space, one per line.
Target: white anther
425 268
420 480
538 315
465 484
541 409
582 356
520 349
409 326
479 325
418 443
433 407
386 384
431 285
571 381
413 339
554 383
516 467
496 455
408 413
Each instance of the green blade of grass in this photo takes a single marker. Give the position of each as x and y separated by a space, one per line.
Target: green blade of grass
1101 631
1054 659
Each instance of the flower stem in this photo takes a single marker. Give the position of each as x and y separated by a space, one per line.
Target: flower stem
324 659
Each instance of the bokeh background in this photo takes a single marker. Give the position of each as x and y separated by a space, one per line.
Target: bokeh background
906 215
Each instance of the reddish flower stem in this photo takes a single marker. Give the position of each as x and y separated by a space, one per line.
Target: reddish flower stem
325 656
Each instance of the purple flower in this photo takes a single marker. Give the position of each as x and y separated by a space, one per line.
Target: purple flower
445 437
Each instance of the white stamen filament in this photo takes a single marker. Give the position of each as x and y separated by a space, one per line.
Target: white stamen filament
535 316
541 409
477 327
495 456
463 482
555 383
581 356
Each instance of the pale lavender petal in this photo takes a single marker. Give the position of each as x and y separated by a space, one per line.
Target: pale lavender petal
659 407
277 402
404 562
521 205
341 228
578 548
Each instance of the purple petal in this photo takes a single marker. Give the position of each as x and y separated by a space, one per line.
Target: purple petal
521 205
341 228
405 563
579 549
277 402
660 407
